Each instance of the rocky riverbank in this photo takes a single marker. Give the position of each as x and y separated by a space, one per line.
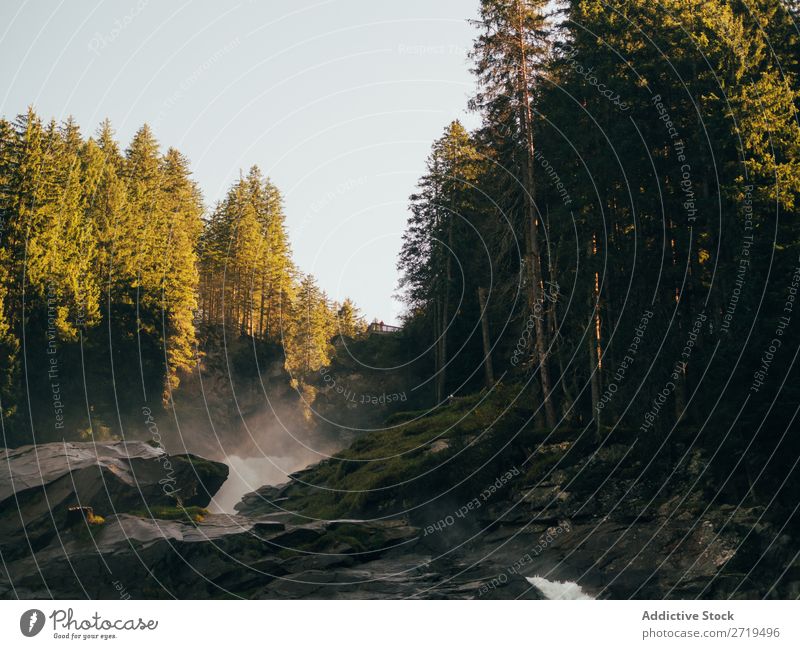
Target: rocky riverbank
137 540
470 511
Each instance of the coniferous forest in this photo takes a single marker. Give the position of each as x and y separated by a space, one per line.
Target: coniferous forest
594 381
109 255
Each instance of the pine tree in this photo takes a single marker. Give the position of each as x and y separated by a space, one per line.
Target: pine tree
183 205
9 343
350 324
107 210
307 340
511 46
147 229
442 237
247 273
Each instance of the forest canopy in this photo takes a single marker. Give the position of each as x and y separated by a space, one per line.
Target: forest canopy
111 268
620 234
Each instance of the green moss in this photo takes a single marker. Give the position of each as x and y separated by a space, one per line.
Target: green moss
385 468
342 537
405 416
200 465
187 514
542 463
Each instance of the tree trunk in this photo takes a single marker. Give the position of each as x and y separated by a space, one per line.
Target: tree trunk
261 309
593 338
487 349
442 378
595 381
437 337
534 257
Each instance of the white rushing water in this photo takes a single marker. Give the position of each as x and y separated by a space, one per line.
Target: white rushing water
558 589
248 474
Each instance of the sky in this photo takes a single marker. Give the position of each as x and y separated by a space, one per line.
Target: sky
337 101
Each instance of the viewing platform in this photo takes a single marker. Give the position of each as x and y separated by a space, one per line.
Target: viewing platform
381 328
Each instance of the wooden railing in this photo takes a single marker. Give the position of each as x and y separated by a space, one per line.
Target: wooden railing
380 328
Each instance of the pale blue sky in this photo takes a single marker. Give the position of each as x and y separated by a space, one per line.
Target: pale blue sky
337 101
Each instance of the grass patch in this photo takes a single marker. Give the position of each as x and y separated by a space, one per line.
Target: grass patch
384 469
404 416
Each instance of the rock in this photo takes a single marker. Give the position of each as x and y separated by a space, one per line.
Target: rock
151 557
38 485
267 527
440 445
618 538
542 496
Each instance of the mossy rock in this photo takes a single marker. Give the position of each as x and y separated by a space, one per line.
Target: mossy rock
191 514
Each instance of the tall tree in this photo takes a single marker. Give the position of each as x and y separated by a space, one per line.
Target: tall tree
511 46
441 237
183 206
349 321
309 332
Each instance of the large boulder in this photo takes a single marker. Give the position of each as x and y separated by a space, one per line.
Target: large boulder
234 556
40 483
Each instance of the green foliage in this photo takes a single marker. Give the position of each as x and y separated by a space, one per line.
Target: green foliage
662 137
105 257
247 276
444 258
350 324
399 466
311 327
84 226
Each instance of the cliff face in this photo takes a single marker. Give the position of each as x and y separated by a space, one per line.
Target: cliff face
240 400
